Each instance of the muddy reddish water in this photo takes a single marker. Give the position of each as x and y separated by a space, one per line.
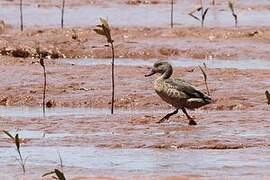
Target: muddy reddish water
140 15
231 140
135 15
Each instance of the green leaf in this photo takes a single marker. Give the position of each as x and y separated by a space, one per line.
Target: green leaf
231 6
17 141
104 23
59 174
204 65
204 14
9 135
195 9
199 8
108 35
100 32
195 17
105 30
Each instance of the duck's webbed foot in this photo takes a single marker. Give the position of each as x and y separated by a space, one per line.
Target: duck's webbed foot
167 116
191 121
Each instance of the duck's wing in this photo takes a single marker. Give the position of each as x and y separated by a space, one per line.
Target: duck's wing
188 89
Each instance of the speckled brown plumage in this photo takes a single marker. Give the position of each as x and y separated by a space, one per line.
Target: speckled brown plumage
177 92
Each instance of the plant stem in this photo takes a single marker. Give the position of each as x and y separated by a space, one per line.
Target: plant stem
61 161
21 159
205 79
44 90
112 104
62 16
208 92
21 15
235 20
171 13
202 11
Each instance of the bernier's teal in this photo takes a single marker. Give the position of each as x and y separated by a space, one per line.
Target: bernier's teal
177 92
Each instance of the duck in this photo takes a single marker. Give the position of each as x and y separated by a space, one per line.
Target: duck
177 92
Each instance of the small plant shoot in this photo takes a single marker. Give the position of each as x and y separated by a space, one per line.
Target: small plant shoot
16 141
61 161
232 8
21 14
56 174
267 94
103 29
41 62
203 13
172 13
205 78
62 13
74 35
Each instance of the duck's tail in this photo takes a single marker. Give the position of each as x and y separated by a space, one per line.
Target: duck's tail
208 99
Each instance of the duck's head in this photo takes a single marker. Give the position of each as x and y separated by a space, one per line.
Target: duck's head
163 68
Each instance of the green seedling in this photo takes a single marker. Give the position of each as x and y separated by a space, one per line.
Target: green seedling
104 29
21 14
62 13
41 62
16 141
267 94
203 13
235 16
59 175
74 35
61 161
205 78
172 13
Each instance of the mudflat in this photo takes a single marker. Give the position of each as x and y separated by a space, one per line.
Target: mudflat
231 139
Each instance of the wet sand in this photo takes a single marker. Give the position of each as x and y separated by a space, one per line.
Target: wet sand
230 141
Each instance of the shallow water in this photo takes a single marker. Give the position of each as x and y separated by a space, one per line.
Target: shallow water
252 161
267 82
30 134
241 121
218 127
31 112
187 62
123 15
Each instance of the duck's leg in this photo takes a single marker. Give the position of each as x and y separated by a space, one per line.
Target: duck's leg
191 121
168 116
